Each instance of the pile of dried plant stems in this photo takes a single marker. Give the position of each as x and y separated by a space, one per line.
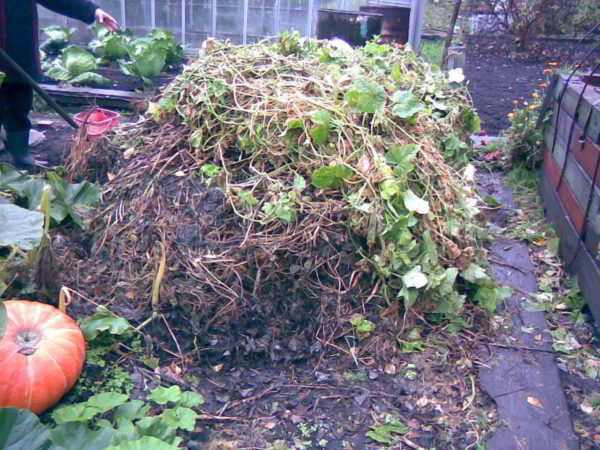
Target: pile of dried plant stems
269 116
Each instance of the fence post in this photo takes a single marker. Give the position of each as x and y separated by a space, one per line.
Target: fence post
245 25
417 13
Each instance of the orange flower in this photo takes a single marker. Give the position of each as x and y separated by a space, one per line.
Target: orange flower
511 115
543 85
535 95
548 70
516 102
532 107
553 64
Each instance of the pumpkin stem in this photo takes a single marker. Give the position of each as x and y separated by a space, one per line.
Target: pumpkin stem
29 340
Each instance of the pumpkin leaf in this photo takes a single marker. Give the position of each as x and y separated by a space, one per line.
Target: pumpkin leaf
181 417
107 401
20 227
145 443
104 320
163 395
78 436
134 409
406 104
21 429
3 319
78 412
366 96
191 399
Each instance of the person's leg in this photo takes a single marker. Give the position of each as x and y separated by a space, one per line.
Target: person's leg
17 100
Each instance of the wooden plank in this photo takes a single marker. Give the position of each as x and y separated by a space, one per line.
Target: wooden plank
91 96
569 104
585 264
579 183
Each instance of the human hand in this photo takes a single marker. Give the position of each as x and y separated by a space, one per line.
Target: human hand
107 20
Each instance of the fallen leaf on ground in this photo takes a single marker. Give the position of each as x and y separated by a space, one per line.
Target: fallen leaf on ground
535 402
269 425
390 369
423 401
492 156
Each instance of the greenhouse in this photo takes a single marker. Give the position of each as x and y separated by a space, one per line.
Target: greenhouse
241 21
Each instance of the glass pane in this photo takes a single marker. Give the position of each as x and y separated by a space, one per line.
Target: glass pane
230 20
293 15
262 19
138 16
168 16
198 22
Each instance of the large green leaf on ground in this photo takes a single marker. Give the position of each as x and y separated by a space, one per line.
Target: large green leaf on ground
78 436
104 320
77 61
331 176
22 430
20 227
145 443
366 96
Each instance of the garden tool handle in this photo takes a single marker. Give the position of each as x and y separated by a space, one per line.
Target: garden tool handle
13 65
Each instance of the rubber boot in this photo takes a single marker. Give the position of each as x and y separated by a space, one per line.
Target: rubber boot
17 144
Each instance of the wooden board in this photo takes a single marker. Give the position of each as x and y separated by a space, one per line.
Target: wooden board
111 98
580 110
584 264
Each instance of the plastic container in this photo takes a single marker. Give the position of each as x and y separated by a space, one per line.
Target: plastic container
97 121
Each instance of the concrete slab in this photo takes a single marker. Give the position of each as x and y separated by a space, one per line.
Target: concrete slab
523 380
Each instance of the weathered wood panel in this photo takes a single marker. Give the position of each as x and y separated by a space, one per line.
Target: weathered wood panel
571 101
110 98
584 263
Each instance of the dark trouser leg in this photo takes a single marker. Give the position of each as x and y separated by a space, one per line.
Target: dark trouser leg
16 100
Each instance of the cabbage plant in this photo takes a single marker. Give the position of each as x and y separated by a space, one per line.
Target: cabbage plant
75 65
58 38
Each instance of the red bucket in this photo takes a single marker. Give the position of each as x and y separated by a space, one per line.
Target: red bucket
97 121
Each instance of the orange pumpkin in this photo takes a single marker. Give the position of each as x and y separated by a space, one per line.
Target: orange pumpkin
41 356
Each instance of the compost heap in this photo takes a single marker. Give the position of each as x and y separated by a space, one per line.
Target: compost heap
293 176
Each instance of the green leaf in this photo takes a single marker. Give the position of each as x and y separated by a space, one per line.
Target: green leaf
471 121
163 395
295 124
22 430
319 134
79 412
488 297
20 227
414 203
385 433
361 324
191 399
147 63
180 417
491 201
402 157
134 409
474 274
107 400
414 278
91 79
406 104
397 73
104 320
78 436
331 176
553 245
77 60
158 428
320 117
2 76
248 198
299 183
366 96
388 188
210 170
145 443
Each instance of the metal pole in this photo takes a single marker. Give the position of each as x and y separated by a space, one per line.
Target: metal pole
13 65
183 22
214 19
123 21
310 18
417 13
153 13
245 24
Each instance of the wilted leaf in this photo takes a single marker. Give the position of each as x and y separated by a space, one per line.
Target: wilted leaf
474 274
535 402
299 183
414 203
414 278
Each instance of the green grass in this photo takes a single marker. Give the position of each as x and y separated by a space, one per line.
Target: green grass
431 51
